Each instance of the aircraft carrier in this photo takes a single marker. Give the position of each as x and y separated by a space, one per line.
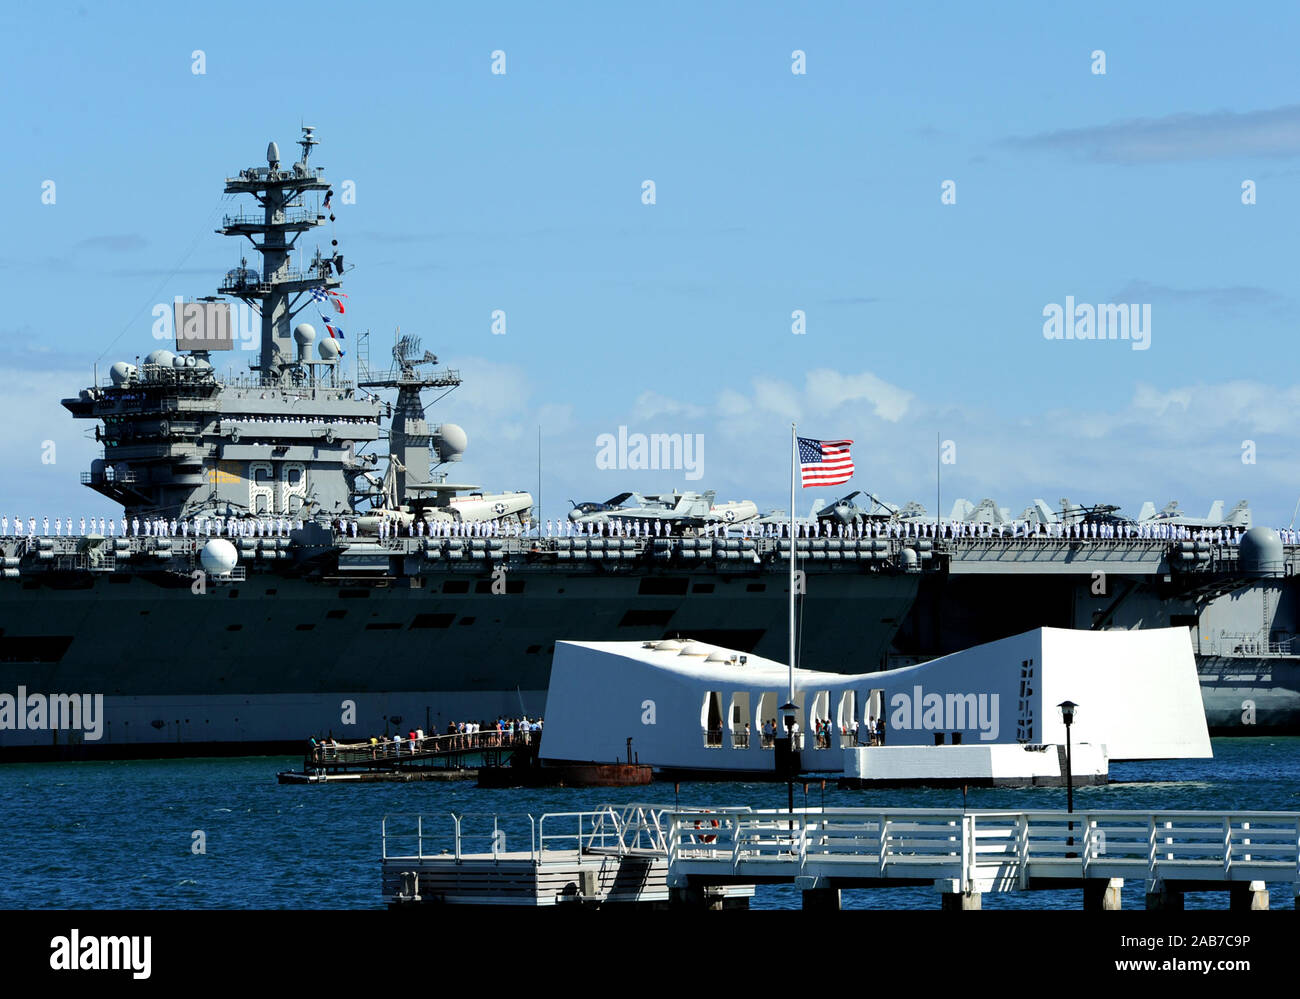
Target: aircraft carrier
273 574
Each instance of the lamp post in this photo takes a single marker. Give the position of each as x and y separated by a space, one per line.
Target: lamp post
786 755
1068 710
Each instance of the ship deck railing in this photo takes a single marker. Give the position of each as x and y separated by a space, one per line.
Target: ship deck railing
1244 644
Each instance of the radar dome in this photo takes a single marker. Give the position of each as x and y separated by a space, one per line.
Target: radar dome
1261 552
328 349
304 335
162 357
121 373
219 556
452 442
180 362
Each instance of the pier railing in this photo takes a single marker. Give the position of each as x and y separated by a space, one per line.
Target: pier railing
634 828
987 850
358 753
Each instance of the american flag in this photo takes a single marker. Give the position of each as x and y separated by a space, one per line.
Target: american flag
824 463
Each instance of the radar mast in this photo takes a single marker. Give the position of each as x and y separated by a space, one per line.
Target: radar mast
275 292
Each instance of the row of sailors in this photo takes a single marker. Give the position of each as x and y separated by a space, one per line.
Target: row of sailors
390 527
954 529
297 420
873 529
263 527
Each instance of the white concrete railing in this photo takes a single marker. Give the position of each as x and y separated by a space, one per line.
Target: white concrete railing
987 850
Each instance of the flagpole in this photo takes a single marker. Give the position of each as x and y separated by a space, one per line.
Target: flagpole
794 454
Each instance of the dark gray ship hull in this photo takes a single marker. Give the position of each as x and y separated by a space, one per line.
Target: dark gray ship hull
272 660
354 643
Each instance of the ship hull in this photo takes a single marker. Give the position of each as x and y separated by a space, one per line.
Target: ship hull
261 665
273 660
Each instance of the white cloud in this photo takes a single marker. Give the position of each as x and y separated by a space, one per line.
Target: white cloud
1214 135
650 405
827 390
773 396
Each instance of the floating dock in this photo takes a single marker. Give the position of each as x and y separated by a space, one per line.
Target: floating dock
437 757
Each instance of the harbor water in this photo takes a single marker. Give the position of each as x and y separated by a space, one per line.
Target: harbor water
127 834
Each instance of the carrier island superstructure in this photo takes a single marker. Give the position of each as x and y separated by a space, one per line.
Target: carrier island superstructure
317 629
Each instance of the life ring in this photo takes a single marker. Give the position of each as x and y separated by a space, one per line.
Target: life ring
708 837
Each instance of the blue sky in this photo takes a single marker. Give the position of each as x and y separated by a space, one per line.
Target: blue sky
775 192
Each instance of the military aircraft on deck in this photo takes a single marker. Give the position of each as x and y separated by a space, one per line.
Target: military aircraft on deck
1074 513
881 510
1238 516
736 512
779 517
845 511
589 507
986 512
688 509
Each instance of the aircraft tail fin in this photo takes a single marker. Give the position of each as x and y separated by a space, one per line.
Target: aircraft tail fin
1239 515
961 510
1147 512
1046 515
1216 512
